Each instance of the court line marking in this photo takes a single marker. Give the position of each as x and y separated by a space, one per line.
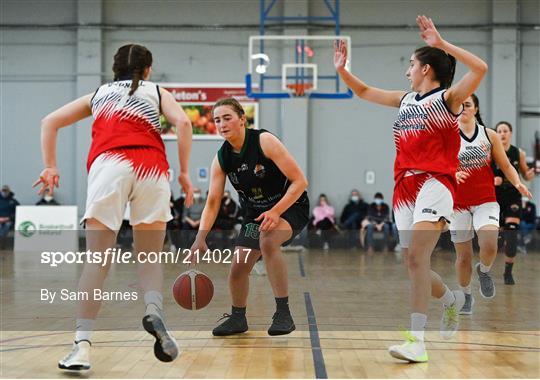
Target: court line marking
247 337
274 347
301 264
34 336
360 327
316 351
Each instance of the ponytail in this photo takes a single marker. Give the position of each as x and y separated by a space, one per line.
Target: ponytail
135 79
442 63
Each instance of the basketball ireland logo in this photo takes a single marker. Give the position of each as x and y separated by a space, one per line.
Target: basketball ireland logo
27 228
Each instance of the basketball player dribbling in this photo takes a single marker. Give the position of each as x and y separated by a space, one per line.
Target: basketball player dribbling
475 206
126 163
271 187
427 142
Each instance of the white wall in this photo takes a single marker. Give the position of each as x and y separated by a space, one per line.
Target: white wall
41 70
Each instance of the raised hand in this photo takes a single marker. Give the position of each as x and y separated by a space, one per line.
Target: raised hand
340 54
428 32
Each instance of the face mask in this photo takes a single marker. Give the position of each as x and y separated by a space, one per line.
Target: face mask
355 198
197 196
378 201
48 198
5 194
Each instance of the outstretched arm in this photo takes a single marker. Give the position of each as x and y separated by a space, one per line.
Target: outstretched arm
66 115
361 89
460 91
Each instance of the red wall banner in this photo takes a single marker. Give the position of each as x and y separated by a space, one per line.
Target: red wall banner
197 101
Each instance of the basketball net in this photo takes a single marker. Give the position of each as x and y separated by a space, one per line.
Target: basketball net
299 89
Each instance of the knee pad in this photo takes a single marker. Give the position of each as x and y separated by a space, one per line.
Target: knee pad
511 231
511 226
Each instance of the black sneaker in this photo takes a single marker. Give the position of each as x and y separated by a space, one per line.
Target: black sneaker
234 324
509 279
282 323
468 305
165 346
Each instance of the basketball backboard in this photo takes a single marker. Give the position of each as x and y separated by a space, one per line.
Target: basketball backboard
284 66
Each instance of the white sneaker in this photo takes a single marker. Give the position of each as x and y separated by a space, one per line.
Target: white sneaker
78 359
165 347
450 317
326 246
413 350
259 268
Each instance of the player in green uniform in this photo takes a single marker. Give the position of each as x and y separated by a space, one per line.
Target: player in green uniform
271 188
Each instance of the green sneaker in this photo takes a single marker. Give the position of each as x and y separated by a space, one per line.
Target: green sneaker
450 317
413 350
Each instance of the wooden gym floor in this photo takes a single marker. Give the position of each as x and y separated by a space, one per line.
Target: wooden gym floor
348 308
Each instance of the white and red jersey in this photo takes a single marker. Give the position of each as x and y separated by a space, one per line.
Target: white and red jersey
475 159
426 134
123 121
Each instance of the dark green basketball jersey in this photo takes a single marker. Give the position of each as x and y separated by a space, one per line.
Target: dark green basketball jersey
513 156
257 179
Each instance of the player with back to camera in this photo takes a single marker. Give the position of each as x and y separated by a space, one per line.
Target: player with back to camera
509 196
476 207
271 188
426 135
126 163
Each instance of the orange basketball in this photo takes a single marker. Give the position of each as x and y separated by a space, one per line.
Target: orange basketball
193 290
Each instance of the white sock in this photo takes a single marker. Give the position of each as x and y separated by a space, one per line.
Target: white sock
418 324
153 301
84 329
466 289
448 298
484 268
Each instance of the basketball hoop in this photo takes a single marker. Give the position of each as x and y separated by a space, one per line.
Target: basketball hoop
295 68
299 89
